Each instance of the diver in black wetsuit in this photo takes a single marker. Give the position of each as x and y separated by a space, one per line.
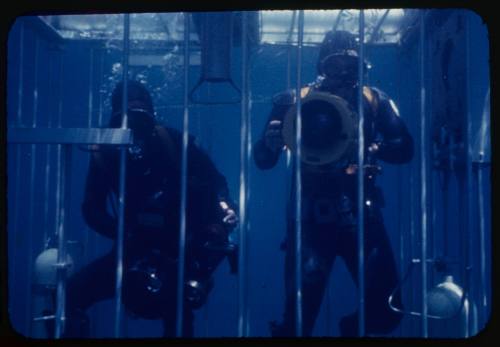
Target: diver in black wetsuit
152 209
329 194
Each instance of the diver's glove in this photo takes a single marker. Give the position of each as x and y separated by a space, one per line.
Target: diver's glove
229 217
220 232
273 138
374 148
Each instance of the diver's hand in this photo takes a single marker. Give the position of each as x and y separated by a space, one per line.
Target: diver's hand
230 219
273 139
373 148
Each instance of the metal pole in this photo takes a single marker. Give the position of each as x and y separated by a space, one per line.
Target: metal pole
298 182
19 117
248 98
423 175
48 170
482 228
91 87
123 172
59 147
13 255
289 51
361 185
482 247
401 234
289 183
401 205
62 206
101 73
31 210
94 247
243 196
59 108
65 180
413 241
184 173
467 239
87 235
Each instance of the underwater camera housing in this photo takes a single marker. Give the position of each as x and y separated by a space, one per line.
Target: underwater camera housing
329 130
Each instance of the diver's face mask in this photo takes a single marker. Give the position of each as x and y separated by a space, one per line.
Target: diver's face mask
340 70
136 151
142 124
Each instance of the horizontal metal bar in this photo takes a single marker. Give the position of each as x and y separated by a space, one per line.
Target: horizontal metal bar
43 318
84 136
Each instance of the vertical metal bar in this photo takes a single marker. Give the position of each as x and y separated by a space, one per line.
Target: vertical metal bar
94 244
446 217
401 234
19 117
289 161
14 229
360 177
401 202
482 228
101 69
413 241
248 163
91 87
298 182
121 193
88 235
35 83
65 184
423 175
62 201
46 191
59 147
431 231
184 173
59 217
467 239
59 105
432 193
125 63
289 51
243 196
482 247
31 210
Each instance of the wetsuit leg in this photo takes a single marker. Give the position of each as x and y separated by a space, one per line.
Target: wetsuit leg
318 255
95 282
381 278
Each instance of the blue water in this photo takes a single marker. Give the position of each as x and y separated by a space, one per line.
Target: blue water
67 84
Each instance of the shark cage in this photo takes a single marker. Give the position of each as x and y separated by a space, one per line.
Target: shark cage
198 174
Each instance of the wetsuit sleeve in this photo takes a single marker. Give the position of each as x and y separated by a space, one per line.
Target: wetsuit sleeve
397 144
94 207
265 158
